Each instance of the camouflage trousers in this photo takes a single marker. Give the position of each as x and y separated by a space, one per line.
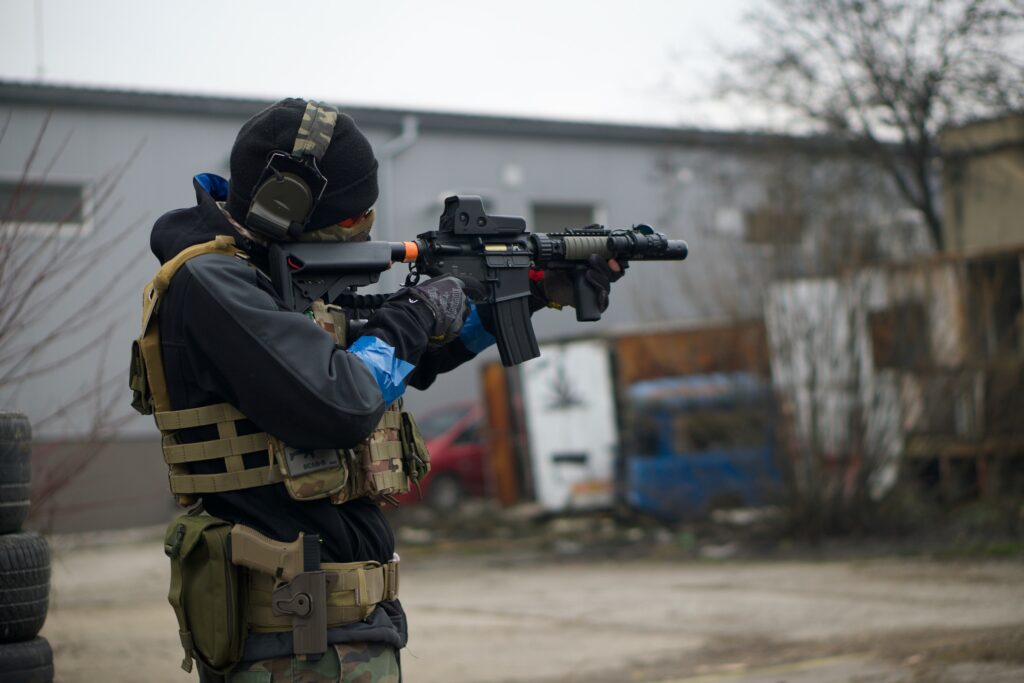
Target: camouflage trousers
343 663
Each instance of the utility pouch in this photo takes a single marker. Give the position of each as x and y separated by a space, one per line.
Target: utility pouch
206 591
382 471
415 455
310 475
142 397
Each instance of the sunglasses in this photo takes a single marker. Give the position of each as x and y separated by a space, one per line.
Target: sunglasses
349 222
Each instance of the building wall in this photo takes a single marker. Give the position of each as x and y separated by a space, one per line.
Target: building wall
628 176
983 184
885 362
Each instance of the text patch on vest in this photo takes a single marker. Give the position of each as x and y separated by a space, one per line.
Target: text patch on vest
299 462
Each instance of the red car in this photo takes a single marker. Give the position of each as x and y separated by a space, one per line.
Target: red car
454 437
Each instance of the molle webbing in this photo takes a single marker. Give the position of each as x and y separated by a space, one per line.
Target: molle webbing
383 456
354 590
379 471
229 447
197 417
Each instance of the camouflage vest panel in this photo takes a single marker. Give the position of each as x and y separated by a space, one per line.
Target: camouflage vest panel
376 467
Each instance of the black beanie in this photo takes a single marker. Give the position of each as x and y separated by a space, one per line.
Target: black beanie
348 164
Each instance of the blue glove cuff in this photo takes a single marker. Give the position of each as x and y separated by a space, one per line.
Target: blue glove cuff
388 369
473 335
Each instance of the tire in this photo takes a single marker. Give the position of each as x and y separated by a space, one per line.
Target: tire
24 586
14 504
15 427
445 493
15 470
28 662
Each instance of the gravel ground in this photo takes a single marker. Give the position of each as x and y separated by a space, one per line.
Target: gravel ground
503 617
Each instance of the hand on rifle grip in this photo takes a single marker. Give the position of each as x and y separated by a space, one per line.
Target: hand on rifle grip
592 285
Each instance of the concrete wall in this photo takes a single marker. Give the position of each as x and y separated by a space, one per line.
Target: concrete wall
983 184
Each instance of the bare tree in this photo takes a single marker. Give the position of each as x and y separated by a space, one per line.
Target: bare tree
808 234
886 75
47 321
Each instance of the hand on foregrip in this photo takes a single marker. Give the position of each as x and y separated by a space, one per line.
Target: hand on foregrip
558 288
446 299
600 275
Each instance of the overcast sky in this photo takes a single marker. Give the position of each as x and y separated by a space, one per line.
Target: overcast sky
647 61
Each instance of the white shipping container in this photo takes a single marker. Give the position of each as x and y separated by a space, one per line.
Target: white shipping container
569 403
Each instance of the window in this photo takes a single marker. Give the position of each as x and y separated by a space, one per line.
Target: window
727 429
646 435
436 423
996 306
40 206
769 225
899 336
557 217
470 435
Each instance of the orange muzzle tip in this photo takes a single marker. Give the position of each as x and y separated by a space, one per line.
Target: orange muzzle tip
412 252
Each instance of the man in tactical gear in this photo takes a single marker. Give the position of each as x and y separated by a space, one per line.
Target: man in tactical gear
277 426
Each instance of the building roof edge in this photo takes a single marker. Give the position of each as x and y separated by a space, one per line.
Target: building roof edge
75 96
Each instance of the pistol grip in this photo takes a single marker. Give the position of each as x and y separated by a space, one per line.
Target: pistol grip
250 548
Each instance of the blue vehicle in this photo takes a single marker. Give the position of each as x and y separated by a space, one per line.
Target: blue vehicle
698 442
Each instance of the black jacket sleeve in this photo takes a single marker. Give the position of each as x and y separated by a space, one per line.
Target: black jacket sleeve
282 371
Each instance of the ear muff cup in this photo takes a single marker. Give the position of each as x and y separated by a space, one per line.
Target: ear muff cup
283 200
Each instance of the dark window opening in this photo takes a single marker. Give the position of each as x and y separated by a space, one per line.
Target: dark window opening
996 307
768 225
899 336
41 203
557 217
719 430
646 436
469 436
436 423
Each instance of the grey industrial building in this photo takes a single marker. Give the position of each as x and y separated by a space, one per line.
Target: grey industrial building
132 155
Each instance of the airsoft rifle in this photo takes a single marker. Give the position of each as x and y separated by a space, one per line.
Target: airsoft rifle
495 253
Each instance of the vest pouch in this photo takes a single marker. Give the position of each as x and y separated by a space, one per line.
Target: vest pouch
382 459
380 464
142 397
311 474
415 455
206 591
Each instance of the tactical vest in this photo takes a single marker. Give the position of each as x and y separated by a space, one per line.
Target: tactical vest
381 466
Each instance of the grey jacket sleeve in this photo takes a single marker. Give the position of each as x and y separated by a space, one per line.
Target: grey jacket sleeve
278 367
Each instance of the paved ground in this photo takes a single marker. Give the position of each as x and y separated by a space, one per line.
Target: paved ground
503 619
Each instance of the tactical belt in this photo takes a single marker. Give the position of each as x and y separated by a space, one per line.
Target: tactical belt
353 591
290 590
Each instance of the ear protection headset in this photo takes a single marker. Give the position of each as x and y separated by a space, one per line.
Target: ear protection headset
291 185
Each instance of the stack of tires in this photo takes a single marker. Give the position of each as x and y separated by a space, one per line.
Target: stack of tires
24 563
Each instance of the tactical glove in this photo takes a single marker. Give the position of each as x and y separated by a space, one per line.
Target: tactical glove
445 298
555 290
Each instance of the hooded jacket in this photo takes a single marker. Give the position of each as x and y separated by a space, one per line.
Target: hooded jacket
226 337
